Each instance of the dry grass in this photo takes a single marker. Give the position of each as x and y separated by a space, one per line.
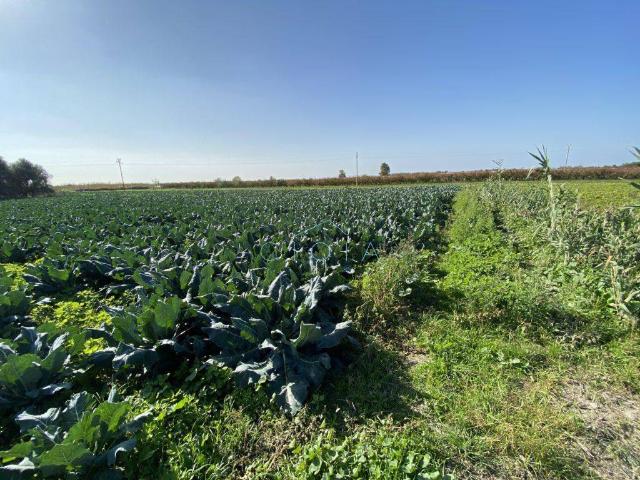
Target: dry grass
610 440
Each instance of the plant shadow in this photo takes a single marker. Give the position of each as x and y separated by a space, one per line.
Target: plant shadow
376 384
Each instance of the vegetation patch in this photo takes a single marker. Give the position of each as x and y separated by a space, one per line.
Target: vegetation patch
395 284
85 310
375 345
13 272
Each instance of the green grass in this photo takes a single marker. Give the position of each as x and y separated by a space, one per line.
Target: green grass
603 194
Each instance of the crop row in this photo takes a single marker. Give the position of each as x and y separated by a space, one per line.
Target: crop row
251 280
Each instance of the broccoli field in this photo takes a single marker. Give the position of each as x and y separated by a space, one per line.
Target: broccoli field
390 332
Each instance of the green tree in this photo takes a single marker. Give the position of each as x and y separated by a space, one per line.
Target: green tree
29 179
342 174
384 169
23 179
5 179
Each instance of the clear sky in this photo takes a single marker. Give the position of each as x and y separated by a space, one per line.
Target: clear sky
194 90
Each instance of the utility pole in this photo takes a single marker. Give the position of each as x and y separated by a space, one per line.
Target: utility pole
357 173
119 162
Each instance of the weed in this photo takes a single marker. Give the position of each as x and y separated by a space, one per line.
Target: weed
394 284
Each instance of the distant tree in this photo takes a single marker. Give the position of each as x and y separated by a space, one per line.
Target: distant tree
29 179
23 179
236 181
384 169
5 179
342 174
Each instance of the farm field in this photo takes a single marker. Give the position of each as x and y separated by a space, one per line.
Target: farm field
604 194
600 194
483 330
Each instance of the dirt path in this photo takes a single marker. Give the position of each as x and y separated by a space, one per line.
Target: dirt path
610 441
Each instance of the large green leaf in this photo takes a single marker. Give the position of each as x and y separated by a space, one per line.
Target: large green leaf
64 457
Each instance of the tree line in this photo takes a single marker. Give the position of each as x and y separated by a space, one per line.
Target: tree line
23 178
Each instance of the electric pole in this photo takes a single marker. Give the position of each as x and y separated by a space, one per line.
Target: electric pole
357 173
119 162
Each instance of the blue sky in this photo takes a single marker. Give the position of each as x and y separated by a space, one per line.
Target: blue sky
195 90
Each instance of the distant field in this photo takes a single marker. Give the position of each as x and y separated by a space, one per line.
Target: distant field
629 171
604 194
598 194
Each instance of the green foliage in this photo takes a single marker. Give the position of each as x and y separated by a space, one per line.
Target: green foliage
197 430
11 275
33 371
589 252
376 453
395 283
49 276
22 179
480 264
263 296
12 302
491 395
85 310
542 157
604 195
470 215
74 440
466 362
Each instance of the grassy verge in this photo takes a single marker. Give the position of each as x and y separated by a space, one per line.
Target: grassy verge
505 354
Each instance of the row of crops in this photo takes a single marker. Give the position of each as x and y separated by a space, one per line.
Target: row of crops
252 280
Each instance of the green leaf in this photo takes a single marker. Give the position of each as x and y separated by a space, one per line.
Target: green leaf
167 313
19 450
309 333
126 329
99 426
64 457
21 372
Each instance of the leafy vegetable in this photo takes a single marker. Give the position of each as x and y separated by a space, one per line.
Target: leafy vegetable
66 442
